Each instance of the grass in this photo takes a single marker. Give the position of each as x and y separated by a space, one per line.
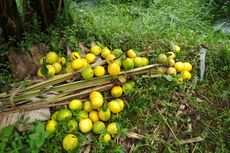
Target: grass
162 111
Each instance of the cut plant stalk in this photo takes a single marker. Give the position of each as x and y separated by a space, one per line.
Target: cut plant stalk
28 95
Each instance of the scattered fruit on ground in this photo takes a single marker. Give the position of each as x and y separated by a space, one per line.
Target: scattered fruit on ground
98 127
114 106
85 125
137 61
62 60
90 57
51 70
104 52
179 66
117 52
64 114
87 73
96 50
58 68
94 94
96 102
121 103
114 69
112 128
81 115
171 62
77 64
116 91
171 71
109 58
75 55
127 87
177 48
104 115
51 126
131 53
93 115
187 66
171 55
75 104
162 59
144 61
128 64
99 70
105 137
72 126
87 106
186 75
51 57
70 142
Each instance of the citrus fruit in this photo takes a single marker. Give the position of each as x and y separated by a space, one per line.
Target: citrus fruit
171 55
104 115
144 61
94 94
99 70
87 73
75 105
116 91
98 127
42 60
179 66
64 114
131 53
51 70
109 58
118 61
85 62
72 126
114 106
85 125
128 64
57 66
54 115
94 116
114 69
162 58
105 137
69 68
127 87
39 73
77 64
171 71
117 52
96 102
87 106
177 48
187 66
62 60
171 62
51 126
137 61
74 55
81 115
186 75
90 57
96 50
112 128
121 103
70 142
104 52
51 57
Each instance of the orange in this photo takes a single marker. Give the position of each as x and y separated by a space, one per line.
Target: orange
85 125
179 66
112 128
70 142
114 106
94 116
114 69
116 91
